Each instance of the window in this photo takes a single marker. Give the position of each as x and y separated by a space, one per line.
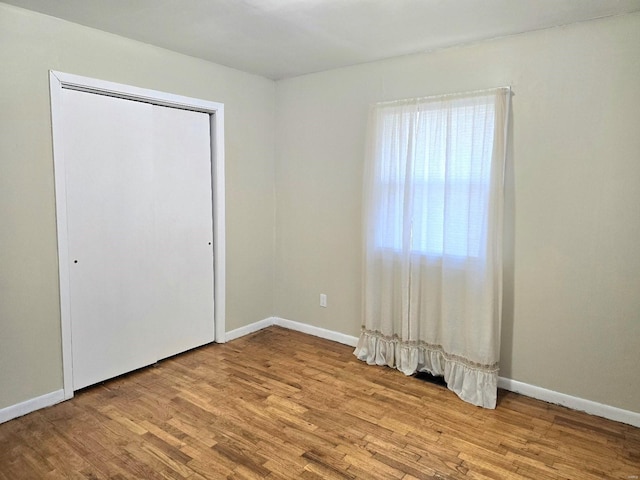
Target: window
432 175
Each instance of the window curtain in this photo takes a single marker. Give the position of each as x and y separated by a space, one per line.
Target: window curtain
433 211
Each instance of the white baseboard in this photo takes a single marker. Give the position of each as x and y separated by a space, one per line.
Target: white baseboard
575 403
291 325
31 405
550 396
317 331
247 329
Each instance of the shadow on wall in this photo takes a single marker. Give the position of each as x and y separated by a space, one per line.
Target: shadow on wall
508 292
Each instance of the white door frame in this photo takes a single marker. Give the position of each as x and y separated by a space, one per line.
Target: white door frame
59 81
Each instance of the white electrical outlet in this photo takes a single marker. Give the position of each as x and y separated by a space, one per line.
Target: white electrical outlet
323 300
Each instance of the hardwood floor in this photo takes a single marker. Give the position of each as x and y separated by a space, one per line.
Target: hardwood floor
280 404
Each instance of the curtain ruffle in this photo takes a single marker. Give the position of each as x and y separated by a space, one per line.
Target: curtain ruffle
472 382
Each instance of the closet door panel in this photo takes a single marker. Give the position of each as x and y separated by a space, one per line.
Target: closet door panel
109 168
184 232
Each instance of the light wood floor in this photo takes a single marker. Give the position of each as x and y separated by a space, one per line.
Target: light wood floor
281 404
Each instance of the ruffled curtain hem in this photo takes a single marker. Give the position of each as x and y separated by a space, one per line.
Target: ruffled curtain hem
472 382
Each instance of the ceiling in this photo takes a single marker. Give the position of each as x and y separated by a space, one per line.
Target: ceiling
285 38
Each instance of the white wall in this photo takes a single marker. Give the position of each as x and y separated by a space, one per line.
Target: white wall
572 293
30 45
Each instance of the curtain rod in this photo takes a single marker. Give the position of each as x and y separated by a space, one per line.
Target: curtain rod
444 95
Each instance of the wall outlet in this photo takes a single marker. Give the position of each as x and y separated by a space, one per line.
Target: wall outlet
323 300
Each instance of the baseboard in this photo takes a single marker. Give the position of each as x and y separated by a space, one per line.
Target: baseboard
317 331
31 405
247 329
575 403
550 396
292 325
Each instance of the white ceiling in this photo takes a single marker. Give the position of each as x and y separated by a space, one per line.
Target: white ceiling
285 38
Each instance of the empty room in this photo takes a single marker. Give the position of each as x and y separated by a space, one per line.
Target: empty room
320 239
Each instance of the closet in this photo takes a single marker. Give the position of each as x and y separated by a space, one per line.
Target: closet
139 231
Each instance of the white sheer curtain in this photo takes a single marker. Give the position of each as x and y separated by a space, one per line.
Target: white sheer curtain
433 228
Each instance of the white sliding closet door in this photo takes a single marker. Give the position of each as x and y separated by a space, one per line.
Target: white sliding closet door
182 207
138 185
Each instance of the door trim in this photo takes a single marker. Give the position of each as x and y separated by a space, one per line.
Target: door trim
59 81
